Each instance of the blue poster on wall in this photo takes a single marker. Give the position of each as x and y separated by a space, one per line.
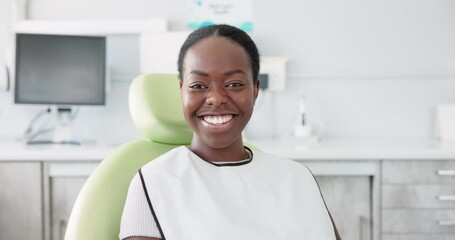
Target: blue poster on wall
238 13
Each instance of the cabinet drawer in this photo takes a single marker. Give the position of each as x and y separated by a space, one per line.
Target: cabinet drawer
418 196
418 237
21 200
418 221
407 171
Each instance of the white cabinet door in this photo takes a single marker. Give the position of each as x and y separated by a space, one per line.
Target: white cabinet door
351 192
64 191
62 183
21 200
349 201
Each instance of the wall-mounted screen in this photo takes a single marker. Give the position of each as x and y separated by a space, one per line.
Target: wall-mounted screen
60 69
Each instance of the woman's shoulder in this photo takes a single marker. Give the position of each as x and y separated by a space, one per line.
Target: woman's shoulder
282 163
166 160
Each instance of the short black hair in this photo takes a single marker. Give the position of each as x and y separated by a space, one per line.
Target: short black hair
222 30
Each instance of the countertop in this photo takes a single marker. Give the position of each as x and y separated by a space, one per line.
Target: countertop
297 149
11 150
358 148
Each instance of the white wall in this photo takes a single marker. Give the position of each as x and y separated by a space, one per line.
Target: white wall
367 68
4 28
358 38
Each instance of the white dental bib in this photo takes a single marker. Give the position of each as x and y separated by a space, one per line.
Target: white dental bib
265 198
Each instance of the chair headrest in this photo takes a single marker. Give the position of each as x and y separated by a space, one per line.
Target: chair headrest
156 108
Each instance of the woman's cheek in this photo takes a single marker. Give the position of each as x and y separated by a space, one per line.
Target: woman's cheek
245 101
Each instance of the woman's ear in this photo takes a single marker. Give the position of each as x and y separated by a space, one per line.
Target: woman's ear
257 84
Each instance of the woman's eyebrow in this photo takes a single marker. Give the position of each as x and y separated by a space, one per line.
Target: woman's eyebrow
199 73
228 73
232 72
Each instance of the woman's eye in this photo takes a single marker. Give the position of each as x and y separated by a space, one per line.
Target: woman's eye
235 84
197 86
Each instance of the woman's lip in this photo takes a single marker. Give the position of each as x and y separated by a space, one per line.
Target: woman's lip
215 114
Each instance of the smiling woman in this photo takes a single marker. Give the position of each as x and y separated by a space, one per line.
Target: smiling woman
218 94
217 188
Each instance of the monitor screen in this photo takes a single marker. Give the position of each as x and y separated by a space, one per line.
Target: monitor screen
60 69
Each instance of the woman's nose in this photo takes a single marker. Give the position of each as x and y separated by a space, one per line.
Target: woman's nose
217 96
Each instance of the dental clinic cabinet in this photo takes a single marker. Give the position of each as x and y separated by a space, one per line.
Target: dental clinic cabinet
418 200
372 194
37 197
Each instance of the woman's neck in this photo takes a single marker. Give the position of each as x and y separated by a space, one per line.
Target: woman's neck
231 153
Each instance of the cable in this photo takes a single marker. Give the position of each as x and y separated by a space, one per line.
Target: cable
39 132
75 113
30 126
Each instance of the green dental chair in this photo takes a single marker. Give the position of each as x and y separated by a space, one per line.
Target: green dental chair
155 106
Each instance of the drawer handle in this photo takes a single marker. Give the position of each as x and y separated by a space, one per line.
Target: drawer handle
446 222
446 172
446 197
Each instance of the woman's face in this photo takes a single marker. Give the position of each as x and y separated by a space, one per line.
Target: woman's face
217 91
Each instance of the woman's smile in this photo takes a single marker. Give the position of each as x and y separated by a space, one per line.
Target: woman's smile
218 120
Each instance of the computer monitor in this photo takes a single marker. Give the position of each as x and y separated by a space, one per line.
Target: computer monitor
60 70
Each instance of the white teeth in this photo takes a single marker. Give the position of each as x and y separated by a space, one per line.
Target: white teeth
218 119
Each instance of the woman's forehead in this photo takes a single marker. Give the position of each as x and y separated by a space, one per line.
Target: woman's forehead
216 52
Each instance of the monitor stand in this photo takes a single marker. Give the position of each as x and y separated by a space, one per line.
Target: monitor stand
62 129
